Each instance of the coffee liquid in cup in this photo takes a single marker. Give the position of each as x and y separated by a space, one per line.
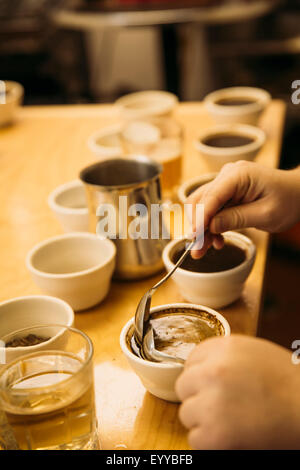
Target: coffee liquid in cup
177 331
227 140
238 101
214 260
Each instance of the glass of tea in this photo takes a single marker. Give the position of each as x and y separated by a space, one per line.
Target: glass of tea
47 389
161 139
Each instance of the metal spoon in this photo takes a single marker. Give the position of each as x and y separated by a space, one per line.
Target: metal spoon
151 353
143 309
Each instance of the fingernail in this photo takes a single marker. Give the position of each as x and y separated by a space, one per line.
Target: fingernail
196 254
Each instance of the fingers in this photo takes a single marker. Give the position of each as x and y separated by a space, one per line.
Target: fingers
186 385
198 409
215 195
198 365
198 251
190 411
217 241
233 218
229 187
195 437
206 350
194 199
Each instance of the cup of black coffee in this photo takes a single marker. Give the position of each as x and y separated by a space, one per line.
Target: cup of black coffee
229 143
217 279
243 105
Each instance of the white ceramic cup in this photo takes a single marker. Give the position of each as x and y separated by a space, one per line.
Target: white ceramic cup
213 289
11 97
69 205
157 377
216 157
76 267
33 310
146 103
243 114
107 142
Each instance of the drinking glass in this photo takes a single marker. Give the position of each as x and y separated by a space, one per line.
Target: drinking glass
47 390
161 139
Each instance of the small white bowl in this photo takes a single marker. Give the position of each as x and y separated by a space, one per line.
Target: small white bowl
213 289
69 205
188 187
29 311
157 377
75 267
146 103
243 114
11 98
107 142
216 157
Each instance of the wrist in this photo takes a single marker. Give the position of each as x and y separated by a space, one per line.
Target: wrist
290 180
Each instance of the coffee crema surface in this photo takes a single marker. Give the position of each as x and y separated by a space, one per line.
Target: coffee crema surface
178 331
214 260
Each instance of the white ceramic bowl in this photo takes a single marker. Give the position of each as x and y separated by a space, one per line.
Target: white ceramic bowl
216 157
75 267
23 312
69 205
107 143
213 289
243 114
186 189
146 103
159 378
13 93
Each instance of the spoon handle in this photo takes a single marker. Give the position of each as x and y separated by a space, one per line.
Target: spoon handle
181 259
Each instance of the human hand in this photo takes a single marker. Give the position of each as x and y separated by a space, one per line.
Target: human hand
239 392
246 194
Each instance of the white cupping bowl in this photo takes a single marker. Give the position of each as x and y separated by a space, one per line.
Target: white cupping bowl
216 157
107 142
243 114
157 377
29 311
69 205
146 103
76 267
213 289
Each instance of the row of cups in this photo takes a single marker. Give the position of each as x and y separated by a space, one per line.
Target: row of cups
78 265
31 314
68 203
75 270
234 110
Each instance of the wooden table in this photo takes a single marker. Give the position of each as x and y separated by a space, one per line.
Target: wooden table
48 147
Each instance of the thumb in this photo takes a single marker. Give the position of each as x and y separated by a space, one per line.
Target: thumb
233 218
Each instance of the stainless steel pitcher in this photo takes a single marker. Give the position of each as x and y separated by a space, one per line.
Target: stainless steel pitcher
114 187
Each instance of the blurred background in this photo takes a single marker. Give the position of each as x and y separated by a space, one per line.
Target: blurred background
89 51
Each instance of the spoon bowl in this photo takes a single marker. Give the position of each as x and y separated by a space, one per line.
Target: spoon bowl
143 309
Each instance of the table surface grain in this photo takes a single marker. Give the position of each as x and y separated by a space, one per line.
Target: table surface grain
47 147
